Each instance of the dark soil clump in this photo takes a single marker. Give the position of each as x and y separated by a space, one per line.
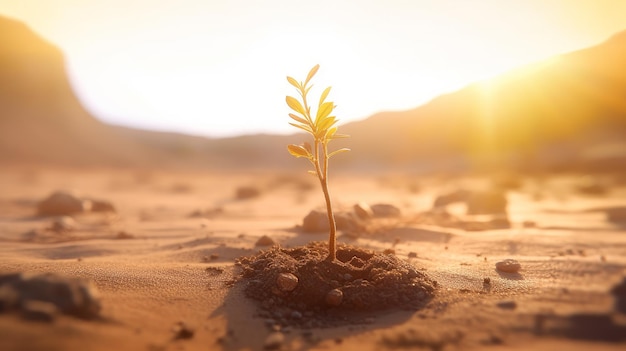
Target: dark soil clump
358 281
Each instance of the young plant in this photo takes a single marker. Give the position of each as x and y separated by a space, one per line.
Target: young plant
321 126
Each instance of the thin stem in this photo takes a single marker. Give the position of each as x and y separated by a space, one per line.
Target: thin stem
332 238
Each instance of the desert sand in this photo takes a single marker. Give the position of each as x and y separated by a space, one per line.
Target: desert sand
164 265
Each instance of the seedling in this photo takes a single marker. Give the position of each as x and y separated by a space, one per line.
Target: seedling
322 128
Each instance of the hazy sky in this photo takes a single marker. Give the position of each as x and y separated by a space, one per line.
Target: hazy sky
218 68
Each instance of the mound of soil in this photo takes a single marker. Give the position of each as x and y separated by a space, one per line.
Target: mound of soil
299 282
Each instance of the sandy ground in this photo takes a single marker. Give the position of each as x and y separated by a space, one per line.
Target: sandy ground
155 275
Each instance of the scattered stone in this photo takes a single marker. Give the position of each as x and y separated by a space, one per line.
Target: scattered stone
98 205
486 202
508 266
616 214
286 282
412 254
363 210
451 198
215 270
70 296
592 186
8 298
316 221
61 203
619 292
62 224
182 331
386 210
39 311
247 192
486 281
124 235
274 341
389 251
529 224
265 241
334 297
507 305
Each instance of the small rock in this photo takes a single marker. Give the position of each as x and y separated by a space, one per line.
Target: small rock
412 254
451 198
39 311
274 341
507 305
334 297
61 203
124 235
389 251
286 282
363 210
385 210
265 241
102 206
619 292
316 221
8 298
182 331
508 266
247 192
529 224
296 315
71 296
486 202
62 224
616 214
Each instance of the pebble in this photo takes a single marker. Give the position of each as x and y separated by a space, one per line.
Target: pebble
61 203
286 282
265 241
247 192
507 305
509 266
70 296
386 210
363 210
39 311
274 341
334 297
315 221
62 224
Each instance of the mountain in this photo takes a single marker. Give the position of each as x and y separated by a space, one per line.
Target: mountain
566 113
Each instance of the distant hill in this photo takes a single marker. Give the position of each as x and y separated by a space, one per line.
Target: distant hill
566 113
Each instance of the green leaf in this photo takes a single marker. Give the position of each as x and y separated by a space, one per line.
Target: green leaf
324 110
324 95
298 151
299 119
305 128
295 105
338 151
294 82
311 73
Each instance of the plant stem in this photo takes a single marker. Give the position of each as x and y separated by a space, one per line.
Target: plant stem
332 236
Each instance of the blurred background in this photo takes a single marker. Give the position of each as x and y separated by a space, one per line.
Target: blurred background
421 86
